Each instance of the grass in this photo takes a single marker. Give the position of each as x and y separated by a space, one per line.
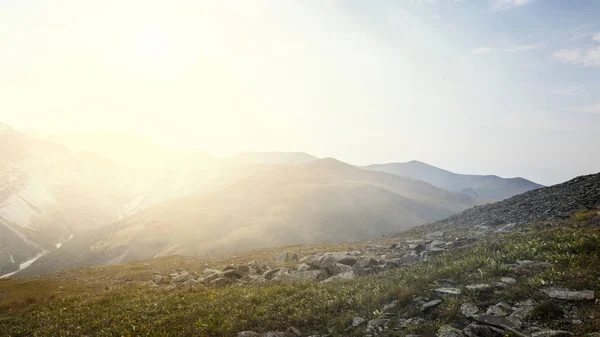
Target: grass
80 304
585 215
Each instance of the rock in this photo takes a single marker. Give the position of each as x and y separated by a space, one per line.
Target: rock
248 334
499 285
376 325
498 322
480 330
482 287
356 321
328 259
309 275
519 315
390 306
274 334
468 309
221 282
294 331
410 257
448 291
436 243
232 273
208 272
448 331
417 247
286 257
159 279
437 234
269 273
349 275
243 269
430 305
364 266
506 228
570 295
552 333
508 280
495 311
339 268
305 267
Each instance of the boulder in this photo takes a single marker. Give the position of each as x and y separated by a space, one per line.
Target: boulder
338 268
286 257
328 259
349 275
232 273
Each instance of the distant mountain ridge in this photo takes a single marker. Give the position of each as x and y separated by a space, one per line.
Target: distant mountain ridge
320 201
486 186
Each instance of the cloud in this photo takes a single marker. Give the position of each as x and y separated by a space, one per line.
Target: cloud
486 50
568 91
581 32
593 108
507 4
587 57
524 47
596 37
482 50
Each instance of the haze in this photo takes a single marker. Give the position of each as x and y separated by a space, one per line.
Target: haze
474 86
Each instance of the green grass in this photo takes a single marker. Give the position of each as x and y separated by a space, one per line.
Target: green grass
582 216
53 307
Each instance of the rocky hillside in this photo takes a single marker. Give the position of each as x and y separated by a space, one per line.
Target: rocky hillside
486 186
559 201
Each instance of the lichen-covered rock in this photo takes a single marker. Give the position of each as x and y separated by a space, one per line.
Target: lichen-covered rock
571 295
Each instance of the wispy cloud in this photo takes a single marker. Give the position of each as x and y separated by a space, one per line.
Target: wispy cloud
520 48
581 32
592 108
482 50
526 47
507 4
568 91
587 57
596 37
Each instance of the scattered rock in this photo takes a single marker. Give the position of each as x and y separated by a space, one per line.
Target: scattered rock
294 331
448 331
480 330
286 257
448 291
349 275
430 305
437 234
376 325
508 280
468 309
480 287
552 333
248 334
390 306
221 282
356 321
570 295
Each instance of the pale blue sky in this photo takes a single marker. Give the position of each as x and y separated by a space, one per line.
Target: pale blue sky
509 87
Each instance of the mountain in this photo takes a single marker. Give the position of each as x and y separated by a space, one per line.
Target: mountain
285 158
557 202
486 186
320 201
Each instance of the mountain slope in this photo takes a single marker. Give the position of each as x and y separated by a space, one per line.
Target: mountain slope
321 201
488 186
559 201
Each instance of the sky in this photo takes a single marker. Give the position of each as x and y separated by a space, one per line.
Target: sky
506 87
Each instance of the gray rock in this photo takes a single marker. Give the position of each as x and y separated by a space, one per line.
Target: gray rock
448 331
221 282
499 285
552 333
571 295
305 267
376 325
448 291
338 268
232 273
430 304
495 311
356 321
508 280
295 332
437 234
328 259
496 321
519 315
480 330
349 275
482 287
248 334
410 257
506 228
390 306
286 257
274 334
269 273
468 309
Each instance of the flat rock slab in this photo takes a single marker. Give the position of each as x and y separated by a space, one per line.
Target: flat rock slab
552 333
570 295
430 305
448 291
480 287
508 280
